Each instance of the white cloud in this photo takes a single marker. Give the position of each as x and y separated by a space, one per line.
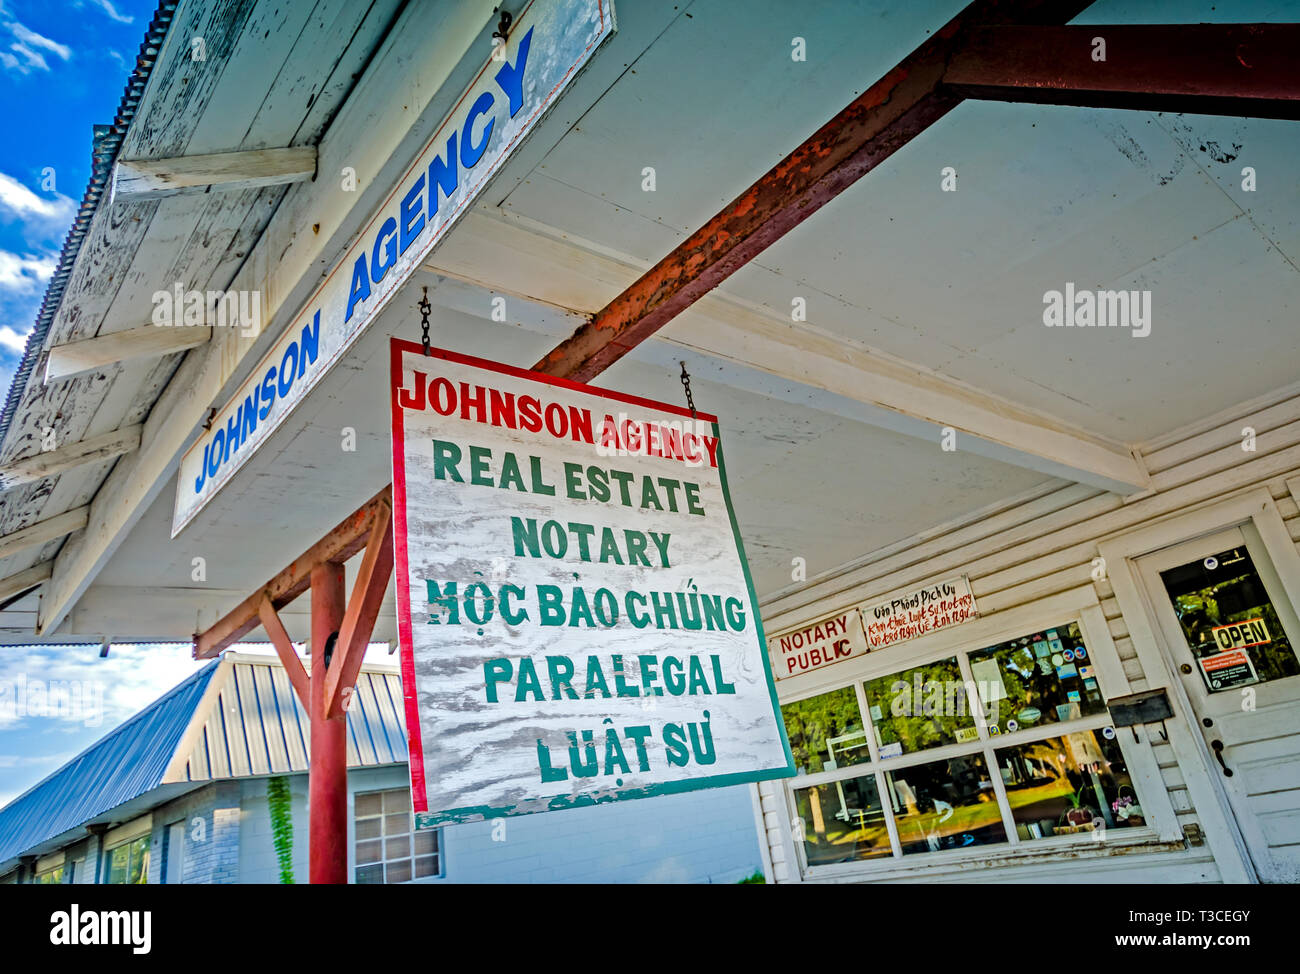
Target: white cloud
30 60
29 45
108 8
21 274
11 339
33 39
23 203
107 690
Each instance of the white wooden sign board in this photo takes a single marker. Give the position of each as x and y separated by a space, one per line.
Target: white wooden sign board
822 643
919 612
576 617
548 45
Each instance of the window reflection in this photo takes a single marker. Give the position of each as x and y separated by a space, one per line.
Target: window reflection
826 732
945 805
920 708
129 863
1065 785
1042 678
1229 621
842 821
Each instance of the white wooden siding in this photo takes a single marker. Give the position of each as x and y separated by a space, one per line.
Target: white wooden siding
1045 545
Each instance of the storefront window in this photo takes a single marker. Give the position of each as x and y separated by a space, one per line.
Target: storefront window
920 708
1042 678
826 732
842 821
1059 785
129 863
1071 784
945 805
1229 621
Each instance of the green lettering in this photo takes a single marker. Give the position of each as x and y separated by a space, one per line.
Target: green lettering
445 457
479 475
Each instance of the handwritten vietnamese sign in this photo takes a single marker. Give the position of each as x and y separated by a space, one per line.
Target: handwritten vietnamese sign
575 612
918 613
838 638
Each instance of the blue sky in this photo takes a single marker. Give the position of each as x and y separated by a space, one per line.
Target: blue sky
63 67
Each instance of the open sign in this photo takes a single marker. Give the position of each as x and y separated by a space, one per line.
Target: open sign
1252 632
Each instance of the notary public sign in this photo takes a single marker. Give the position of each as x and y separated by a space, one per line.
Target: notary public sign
919 612
826 641
548 45
576 617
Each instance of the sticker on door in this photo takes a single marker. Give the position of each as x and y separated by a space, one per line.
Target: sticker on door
1230 669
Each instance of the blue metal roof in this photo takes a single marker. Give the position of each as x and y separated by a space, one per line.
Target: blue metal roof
235 718
130 761
256 725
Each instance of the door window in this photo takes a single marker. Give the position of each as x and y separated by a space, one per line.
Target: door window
1229 621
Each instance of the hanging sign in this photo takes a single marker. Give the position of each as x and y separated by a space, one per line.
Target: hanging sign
838 638
918 613
1238 635
575 612
547 46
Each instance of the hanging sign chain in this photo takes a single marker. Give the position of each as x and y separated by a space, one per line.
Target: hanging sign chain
425 308
686 384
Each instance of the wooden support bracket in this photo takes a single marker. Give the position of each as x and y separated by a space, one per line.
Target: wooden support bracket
363 608
293 667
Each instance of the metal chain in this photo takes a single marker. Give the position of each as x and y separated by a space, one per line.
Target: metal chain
686 384
425 308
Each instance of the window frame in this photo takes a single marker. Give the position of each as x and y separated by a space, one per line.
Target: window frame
441 854
61 869
147 854
1079 606
173 852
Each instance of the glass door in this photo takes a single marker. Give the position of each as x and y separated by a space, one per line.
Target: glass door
1232 635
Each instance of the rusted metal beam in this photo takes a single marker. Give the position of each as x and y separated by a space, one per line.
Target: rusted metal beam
338 546
1208 69
284 649
363 609
888 115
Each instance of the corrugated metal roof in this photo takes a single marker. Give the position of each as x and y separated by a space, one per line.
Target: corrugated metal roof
257 726
235 718
106 143
130 761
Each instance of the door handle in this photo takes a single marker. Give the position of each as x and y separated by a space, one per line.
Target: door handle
1218 753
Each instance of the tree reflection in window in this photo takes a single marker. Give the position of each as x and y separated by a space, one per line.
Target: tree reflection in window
842 821
129 863
920 708
1041 678
826 730
945 805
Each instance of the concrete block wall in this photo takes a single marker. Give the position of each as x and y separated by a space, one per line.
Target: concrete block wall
698 837
210 850
257 858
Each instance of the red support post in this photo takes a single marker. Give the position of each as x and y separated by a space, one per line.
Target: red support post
328 778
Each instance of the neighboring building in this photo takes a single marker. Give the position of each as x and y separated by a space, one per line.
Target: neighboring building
179 794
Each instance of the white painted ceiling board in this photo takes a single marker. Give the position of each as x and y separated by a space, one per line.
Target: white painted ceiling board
872 486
